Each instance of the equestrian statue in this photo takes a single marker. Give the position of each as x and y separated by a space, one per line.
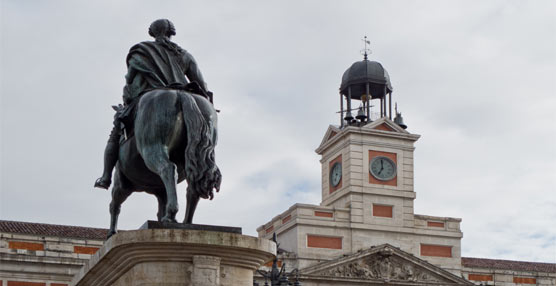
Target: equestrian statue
165 132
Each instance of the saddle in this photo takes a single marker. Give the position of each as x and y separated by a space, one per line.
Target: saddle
124 118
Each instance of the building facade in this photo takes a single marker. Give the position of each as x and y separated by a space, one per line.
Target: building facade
365 230
34 254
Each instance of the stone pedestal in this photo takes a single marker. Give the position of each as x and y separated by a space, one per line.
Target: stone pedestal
176 257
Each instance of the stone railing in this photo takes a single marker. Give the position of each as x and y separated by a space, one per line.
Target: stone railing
302 213
437 223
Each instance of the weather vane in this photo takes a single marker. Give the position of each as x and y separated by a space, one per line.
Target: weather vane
366 50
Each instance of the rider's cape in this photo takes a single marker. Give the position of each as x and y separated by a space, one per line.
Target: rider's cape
152 65
157 66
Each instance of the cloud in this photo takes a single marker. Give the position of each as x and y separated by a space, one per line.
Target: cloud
476 81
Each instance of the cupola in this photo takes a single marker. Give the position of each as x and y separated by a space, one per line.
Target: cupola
365 81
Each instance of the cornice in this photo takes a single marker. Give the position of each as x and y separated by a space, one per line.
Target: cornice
365 131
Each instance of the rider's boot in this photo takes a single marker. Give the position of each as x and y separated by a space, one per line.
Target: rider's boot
110 159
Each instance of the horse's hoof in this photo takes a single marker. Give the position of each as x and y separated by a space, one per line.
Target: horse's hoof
167 219
102 183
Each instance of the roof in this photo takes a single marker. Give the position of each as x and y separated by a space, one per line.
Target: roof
508 264
360 73
52 230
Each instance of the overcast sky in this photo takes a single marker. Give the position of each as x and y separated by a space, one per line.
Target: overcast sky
476 79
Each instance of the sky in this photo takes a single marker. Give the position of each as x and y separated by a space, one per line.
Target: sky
477 81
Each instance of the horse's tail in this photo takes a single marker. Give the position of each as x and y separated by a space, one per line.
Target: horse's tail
201 172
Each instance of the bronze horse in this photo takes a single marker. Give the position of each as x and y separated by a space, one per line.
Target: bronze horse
175 136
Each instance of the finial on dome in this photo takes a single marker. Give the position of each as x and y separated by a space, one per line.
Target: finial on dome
366 50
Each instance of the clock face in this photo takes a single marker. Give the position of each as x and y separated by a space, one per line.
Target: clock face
382 168
336 174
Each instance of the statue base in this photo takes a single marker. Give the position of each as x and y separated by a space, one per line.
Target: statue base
151 224
179 255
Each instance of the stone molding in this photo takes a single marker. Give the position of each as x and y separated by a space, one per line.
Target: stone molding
389 191
441 218
127 249
351 142
366 130
298 219
327 136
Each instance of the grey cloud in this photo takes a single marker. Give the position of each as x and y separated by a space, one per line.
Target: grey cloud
476 81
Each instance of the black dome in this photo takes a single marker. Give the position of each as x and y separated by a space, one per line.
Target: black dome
360 73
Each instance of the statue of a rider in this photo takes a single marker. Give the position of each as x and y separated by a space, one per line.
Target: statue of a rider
150 65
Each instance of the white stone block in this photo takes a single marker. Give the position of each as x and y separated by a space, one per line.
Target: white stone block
25 237
206 270
59 247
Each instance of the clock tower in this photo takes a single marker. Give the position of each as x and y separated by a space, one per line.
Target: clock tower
369 166
366 163
367 186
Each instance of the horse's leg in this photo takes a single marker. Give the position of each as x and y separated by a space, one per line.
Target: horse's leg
161 197
156 129
192 200
119 195
158 161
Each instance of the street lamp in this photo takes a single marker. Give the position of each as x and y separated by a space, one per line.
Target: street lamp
278 277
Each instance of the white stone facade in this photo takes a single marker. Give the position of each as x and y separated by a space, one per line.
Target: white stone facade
351 206
42 260
508 273
361 212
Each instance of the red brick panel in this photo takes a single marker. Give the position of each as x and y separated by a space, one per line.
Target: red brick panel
525 280
333 189
480 277
317 241
393 157
270 229
436 224
384 127
25 245
324 214
382 210
436 250
286 219
24 283
85 249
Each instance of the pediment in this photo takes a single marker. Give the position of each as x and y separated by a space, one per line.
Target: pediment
385 124
330 133
383 263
